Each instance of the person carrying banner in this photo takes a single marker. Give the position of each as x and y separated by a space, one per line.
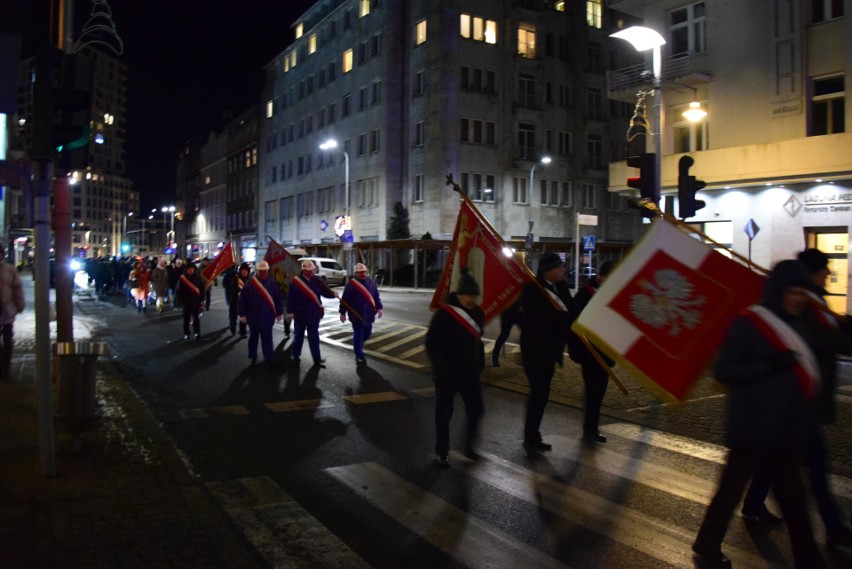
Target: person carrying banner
455 348
259 305
190 291
767 362
547 307
304 308
235 287
361 300
595 377
835 337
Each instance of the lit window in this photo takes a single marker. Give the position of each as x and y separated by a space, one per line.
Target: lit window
312 44
293 58
526 41
476 28
559 6
269 109
347 61
593 13
464 25
363 8
420 32
300 29
490 31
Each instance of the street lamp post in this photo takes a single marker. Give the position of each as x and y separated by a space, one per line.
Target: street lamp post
168 209
331 144
124 232
643 39
544 160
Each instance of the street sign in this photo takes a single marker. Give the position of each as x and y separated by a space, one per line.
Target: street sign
584 219
323 225
348 236
751 229
589 243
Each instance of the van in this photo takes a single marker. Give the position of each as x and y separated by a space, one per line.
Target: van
328 269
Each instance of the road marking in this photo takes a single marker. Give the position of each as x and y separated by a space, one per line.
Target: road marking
373 353
471 541
397 330
283 532
416 336
299 405
366 398
214 412
413 351
622 524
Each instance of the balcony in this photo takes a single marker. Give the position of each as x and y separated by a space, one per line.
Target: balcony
688 70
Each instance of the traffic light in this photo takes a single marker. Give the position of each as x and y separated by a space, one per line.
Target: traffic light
646 182
687 185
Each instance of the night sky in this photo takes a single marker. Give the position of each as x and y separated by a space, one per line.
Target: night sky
191 62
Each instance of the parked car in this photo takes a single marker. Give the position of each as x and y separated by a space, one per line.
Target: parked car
585 274
328 269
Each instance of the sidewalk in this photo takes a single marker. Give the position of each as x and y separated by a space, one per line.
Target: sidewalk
121 496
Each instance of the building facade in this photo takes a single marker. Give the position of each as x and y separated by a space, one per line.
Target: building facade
773 150
412 92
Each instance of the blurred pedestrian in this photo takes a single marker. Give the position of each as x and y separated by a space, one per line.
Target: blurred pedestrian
362 302
768 363
235 287
190 291
304 308
141 279
595 376
259 305
160 284
205 262
175 270
454 345
546 307
11 304
510 317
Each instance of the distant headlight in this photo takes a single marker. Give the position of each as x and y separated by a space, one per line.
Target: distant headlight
75 265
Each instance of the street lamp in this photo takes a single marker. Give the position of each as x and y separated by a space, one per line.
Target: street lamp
124 232
169 209
331 144
544 160
644 39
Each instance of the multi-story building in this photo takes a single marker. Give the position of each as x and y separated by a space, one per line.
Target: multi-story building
102 197
242 179
773 150
413 91
211 222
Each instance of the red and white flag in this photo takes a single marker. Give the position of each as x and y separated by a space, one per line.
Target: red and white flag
665 309
221 263
477 247
282 265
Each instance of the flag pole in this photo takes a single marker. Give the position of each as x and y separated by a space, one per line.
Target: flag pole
602 363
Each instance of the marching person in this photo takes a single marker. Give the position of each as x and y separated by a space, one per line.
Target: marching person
546 308
234 288
508 318
205 262
304 308
259 306
11 304
190 292
455 348
595 377
175 270
767 362
141 290
160 284
361 301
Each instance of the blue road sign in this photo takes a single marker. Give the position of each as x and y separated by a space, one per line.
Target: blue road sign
589 243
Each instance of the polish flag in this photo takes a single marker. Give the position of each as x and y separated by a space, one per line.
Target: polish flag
665 309
223 261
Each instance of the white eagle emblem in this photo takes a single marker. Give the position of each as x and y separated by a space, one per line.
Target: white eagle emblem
669 301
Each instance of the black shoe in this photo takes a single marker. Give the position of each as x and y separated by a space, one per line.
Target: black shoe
537 446
839 538
762 515
253 361
711 557
594 438
495 362
360 361
320 362
443 460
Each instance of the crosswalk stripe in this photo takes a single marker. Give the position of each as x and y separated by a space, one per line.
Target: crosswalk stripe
416 336
840 485
397 330
374 354
279 528
413 351
300 405
472 542
845 399
366 398
622 524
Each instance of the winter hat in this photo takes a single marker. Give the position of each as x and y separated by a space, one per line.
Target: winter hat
190 265
549 261
783 276
263 266
814 259
360 268
606 268
245 266
467 284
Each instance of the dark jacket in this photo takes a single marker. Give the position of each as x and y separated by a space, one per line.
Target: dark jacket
544 328
577 349
353 297
307 306
253 304
189 298
457 356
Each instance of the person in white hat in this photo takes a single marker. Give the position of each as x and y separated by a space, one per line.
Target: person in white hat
362 302
259 306
304 308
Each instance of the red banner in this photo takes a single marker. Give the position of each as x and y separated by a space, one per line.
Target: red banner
282 265
665 309
477 247
221 263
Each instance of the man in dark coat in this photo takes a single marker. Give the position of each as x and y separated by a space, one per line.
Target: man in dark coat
835 337
595 377
304 308
362 301
190 292
546 308
234 287
259 305
768 364
454 345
